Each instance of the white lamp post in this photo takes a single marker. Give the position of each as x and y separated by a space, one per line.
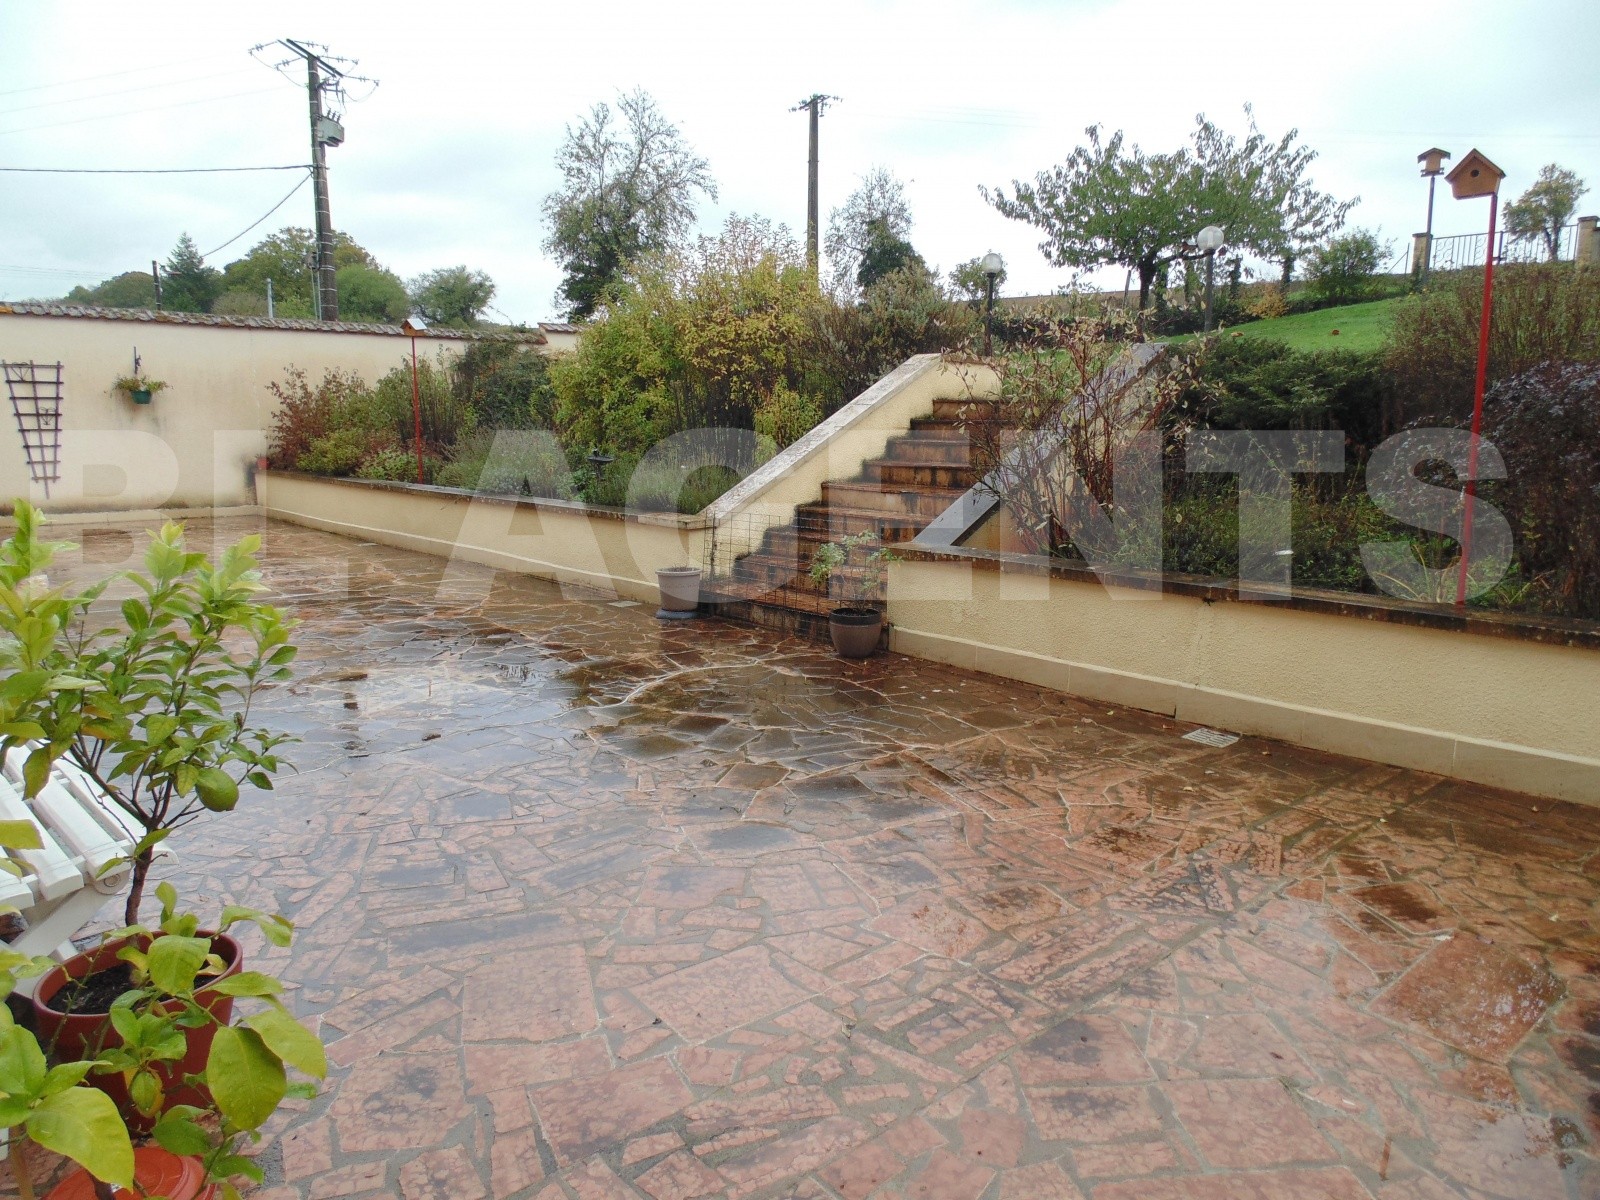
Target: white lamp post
1209 240
414 327
993 267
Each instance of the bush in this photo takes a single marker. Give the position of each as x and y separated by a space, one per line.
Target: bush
390 462
305 413
1547 313
1259 383
505 385
445 419
339 452
786 416
1546 425
509 463
1340 271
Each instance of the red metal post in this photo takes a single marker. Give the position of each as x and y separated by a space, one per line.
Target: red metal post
1477 401
416 407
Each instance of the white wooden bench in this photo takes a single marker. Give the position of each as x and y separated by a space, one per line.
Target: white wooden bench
65 882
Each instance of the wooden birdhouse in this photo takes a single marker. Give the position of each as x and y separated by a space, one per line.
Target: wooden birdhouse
1433 161
1473 176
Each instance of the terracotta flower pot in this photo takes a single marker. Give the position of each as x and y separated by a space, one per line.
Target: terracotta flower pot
855 631
157 1172
75 1036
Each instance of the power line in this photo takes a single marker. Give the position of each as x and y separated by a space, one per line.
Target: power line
149 170
261 218
60 83
134 111
146 87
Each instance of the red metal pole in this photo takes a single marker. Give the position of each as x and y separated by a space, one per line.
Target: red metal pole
416 407
1477 401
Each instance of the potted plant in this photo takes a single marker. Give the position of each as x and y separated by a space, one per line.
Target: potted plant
155 709
853 570
680 591
112 1003
140 388
197 1107
45 1104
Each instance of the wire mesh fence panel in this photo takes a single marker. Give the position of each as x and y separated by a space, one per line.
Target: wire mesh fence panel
35 390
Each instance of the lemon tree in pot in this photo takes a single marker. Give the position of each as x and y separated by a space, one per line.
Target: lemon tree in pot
155 708
852 571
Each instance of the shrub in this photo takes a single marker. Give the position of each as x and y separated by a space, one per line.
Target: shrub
445 419
1258 383
786 416
1546 424
1340 271
305 413
505 385
339 452
389 462
510 462
1267 304
1543 313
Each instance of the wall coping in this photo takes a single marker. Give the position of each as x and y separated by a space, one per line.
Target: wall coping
20 308
548 503
1555 631
786 460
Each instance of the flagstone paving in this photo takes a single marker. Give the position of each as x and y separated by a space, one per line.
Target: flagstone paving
593 906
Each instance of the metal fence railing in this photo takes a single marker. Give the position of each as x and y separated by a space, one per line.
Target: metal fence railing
1467 249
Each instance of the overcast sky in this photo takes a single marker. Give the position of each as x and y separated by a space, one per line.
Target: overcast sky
448 160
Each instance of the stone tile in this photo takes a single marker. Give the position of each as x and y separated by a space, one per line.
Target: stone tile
1472 995
713 997
534 997
581 1117
1247 1123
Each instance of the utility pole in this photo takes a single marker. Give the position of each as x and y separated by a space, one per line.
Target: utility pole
814 105
321 76
155 276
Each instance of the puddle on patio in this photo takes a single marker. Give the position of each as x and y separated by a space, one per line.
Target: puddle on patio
592 905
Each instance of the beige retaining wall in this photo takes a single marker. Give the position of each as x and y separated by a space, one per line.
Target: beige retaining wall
1500 710
552 539
195 444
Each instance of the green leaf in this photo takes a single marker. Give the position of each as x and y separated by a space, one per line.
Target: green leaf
246 1079
174 961
20 835
177 1132
36 771
247 983
302 1089
84 1125
66 1075
290 1041
144 1089
22 1065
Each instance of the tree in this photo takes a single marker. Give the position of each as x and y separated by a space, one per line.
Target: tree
372 294
1544 208
1340 271
452 296
629 182
874 212
1113 204
189 285
131 289
968 281
886 252
285 258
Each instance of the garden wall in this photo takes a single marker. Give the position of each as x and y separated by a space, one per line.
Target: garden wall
196 443
561 540
1502 701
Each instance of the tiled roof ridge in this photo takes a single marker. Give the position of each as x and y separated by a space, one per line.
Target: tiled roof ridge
31 308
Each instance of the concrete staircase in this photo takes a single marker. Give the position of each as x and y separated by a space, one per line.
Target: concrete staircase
922 472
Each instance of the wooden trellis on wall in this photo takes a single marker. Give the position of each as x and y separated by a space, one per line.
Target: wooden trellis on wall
36 402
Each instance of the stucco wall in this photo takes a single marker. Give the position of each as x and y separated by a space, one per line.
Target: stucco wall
195 443
1498 710
551 539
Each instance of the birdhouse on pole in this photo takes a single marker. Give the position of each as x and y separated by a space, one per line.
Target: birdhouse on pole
1473 176
1433 161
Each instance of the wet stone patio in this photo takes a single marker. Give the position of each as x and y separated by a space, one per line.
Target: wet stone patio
593 906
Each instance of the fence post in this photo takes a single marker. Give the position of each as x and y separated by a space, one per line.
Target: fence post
1419 255
1586 246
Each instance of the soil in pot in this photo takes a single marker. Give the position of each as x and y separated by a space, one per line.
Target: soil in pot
93 993
855 631
158 1172
79 1033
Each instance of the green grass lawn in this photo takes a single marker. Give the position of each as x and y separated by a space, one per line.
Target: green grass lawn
1360 326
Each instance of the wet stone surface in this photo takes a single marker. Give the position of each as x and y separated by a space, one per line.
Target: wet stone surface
596 906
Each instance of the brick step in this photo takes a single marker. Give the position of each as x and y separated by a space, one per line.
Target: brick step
733 590
968 408
776 571
936 429
916 476
830 522
923 503
915 448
